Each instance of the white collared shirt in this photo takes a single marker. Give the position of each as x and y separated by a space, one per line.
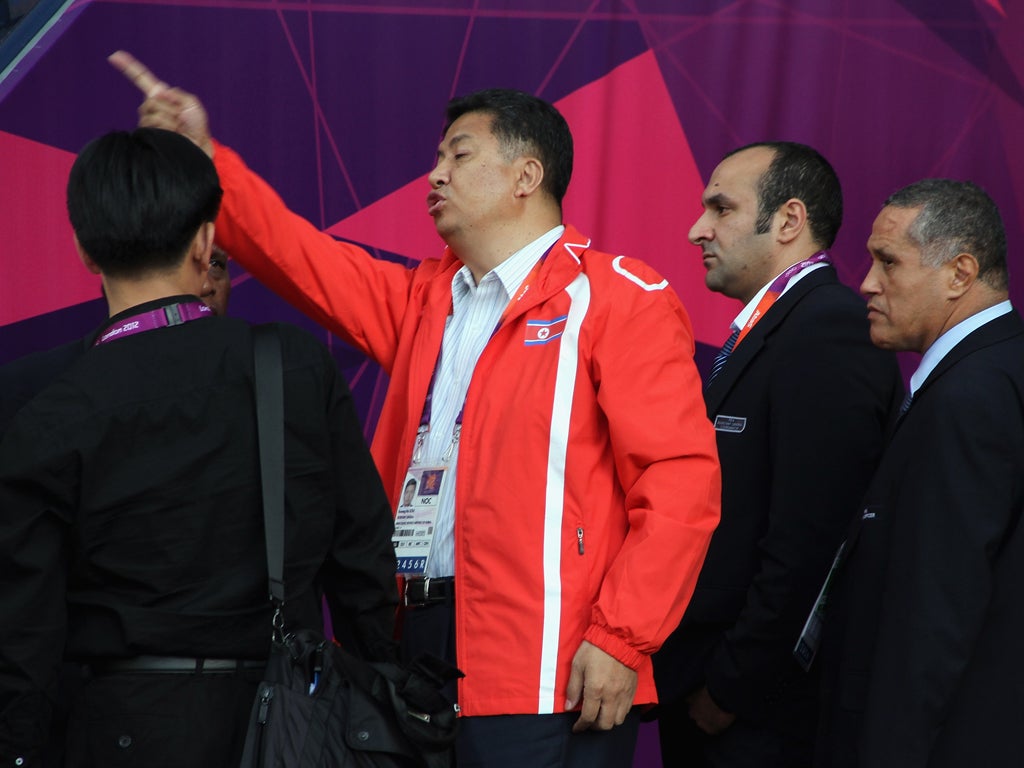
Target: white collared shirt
476 311
945 343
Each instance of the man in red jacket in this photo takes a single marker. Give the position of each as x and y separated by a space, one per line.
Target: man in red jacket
544 397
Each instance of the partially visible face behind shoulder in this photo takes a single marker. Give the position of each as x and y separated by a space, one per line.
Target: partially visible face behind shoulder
217 286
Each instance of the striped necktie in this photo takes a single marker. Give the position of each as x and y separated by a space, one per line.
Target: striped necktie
723 355
905 405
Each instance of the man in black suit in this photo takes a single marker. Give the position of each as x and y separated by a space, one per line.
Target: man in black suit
924 624
800 408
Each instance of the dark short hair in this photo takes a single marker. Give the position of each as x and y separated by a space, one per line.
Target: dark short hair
956 217
137 198
524 124
798 171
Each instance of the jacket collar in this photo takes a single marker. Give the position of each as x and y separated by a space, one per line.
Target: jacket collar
993 332
747 350
561 266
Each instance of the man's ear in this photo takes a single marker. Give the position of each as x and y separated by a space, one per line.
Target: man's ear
793 217
531 174
91 265
963 272
202 245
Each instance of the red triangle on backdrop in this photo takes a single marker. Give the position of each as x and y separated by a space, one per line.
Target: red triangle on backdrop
42 272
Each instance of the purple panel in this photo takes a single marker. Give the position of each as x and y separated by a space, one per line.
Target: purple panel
50 330
380 123
963 27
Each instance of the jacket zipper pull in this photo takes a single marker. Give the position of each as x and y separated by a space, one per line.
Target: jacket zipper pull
265 696
579 539
318 668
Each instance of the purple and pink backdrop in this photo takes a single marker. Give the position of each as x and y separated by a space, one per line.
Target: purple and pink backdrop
339 105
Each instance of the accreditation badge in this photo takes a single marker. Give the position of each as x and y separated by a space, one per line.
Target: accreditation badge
415 521
810 638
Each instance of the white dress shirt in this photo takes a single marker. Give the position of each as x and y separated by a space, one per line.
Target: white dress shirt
476 311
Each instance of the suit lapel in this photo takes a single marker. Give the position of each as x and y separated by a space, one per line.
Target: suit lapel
993 332
747 350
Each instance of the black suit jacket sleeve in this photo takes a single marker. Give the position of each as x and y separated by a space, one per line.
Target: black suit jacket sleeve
826 416
953 508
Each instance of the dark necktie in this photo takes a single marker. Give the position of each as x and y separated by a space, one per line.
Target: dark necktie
723 355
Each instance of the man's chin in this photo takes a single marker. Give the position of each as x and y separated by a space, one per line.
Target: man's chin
713 283
883 340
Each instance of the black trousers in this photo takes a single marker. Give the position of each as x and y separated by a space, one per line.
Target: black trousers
516 741
160 720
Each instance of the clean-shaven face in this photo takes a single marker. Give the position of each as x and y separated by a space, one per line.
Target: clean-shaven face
906 306
737 259
472 184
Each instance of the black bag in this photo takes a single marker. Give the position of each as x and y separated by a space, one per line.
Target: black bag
318 706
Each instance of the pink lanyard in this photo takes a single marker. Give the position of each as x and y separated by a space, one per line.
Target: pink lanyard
172 314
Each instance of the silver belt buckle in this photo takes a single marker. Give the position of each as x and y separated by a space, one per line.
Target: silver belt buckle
426 591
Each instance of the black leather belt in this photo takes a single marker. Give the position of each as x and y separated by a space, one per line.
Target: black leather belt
174 665
428 591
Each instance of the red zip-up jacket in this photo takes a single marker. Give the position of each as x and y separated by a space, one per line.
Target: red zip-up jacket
588 478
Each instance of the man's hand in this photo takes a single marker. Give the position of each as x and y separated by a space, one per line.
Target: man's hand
708 716
164 107
607 687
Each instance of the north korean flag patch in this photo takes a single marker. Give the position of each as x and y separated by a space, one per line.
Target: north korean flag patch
543 331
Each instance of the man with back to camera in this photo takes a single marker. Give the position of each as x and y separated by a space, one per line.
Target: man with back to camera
799 407
23 378
569 531
923 626
131 523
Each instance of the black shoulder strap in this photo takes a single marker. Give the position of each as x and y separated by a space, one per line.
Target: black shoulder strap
270 432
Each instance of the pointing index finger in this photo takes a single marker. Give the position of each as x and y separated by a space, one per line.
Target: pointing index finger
137 72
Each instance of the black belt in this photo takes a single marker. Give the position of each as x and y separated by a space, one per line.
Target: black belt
175 665
428 591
